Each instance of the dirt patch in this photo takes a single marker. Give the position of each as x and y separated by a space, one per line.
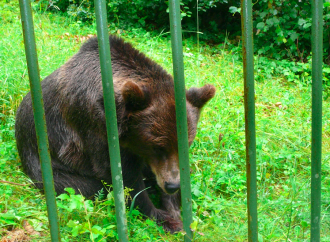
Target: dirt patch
20 235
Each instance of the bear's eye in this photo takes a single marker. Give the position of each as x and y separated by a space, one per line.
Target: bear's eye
160 152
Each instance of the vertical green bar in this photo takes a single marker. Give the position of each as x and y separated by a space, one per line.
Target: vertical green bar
181 115
39 117
250 134
111 118
317 49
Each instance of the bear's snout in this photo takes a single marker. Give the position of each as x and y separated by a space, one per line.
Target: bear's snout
171 187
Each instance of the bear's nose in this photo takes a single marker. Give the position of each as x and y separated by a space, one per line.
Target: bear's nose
171 187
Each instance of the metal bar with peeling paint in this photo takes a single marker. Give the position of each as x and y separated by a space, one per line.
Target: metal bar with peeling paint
181 116
39 117
250 132
317 61
111 118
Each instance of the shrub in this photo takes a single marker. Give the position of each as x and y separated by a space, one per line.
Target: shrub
153 15
283 29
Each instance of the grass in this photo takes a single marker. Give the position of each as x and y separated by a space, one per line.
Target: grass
283 110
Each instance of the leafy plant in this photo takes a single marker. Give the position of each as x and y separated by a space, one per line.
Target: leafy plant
283 29
75 207
153 15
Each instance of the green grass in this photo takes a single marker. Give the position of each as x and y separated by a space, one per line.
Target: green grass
283 111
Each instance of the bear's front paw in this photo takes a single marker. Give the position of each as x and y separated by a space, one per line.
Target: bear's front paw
167 221
172 225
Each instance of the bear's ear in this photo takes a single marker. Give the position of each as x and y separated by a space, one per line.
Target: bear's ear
135 97
198 97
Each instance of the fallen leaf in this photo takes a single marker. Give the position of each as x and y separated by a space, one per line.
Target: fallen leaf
29 229
220 137
17 235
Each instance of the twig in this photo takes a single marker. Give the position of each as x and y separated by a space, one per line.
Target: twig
13 183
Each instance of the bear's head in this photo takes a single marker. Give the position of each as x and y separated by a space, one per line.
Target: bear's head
151 131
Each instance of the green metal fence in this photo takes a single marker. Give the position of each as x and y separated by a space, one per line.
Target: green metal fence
111 118
39 116
250 130
249 97
178 71
181 115
317 50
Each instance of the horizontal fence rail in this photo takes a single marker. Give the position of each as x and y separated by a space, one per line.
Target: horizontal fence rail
39 117
181 115
317 50
111 118
250 132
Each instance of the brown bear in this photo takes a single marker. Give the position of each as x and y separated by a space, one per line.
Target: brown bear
74 108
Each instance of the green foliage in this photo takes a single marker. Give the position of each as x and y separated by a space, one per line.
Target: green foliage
296 72
125 10
78 212
121 13
283 30
152 14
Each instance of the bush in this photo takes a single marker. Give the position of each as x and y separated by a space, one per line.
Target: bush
283 29
153 15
